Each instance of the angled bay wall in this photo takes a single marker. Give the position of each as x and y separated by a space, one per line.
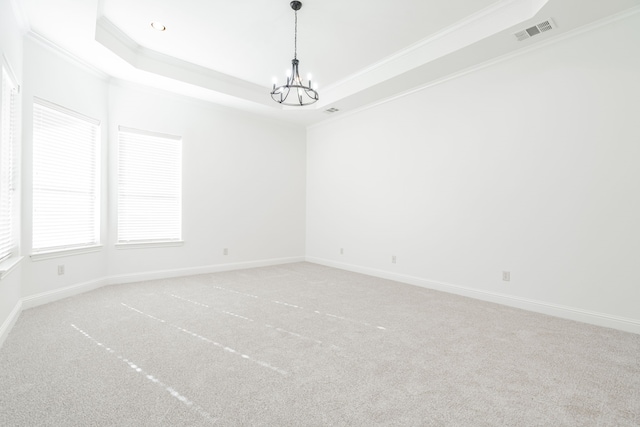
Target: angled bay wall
529 165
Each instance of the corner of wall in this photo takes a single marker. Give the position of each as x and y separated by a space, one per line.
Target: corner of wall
10 321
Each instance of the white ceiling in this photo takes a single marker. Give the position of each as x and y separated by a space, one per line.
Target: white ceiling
359 51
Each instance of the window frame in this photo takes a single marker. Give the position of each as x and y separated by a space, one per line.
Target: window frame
93 191
124 239
9 170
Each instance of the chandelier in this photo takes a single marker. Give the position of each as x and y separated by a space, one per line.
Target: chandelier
301 94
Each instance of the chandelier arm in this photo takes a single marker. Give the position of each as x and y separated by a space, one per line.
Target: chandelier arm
313 95
281 94
284 97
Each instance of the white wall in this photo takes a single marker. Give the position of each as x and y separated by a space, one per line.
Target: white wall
11 50
243 180
243 184
529 165
51 76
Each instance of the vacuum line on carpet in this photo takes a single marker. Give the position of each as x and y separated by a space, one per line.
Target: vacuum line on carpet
228 313
235 292
188 300
302 337
286 304
210 341
382 328
346 319
294 334
173 392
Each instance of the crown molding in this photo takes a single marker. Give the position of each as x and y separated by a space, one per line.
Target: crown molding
481 66
65 54
476 27
114 39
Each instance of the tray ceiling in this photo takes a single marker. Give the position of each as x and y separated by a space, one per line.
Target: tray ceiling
360 52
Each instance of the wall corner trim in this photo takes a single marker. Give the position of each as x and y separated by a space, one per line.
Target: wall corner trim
6 326
564 312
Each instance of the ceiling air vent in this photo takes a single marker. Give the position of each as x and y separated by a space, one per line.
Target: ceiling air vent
331 110
542 27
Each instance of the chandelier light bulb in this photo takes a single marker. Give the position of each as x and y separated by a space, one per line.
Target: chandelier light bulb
159 26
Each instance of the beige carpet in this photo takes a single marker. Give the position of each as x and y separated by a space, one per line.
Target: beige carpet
307 345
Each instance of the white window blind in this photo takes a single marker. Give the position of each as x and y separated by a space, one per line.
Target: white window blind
8 234
65 178
149 187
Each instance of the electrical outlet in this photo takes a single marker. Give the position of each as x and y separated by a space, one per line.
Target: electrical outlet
341 251
506 276
225 251
60 270
393 259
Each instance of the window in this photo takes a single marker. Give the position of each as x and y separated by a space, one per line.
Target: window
149 187
65 179
8 173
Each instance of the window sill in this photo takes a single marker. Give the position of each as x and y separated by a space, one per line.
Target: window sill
146 245
60 253
8 265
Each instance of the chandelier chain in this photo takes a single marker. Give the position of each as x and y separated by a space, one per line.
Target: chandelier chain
295 36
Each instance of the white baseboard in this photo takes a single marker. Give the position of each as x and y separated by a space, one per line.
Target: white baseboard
192 271
595 318
565 312
10 321
58 294
69 291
